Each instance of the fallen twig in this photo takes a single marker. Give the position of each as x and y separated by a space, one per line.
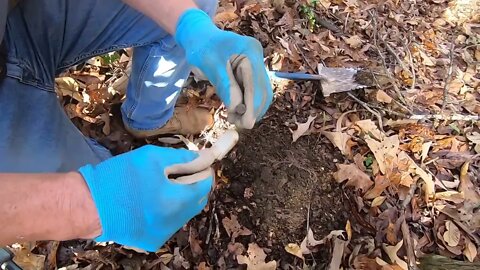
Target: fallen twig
449 77
382 57
365 105
394 53
210 225
453 117
412 67
409 246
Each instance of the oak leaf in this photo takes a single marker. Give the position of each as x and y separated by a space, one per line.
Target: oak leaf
255 259
383 97
356 177
233 227
384 150
302 128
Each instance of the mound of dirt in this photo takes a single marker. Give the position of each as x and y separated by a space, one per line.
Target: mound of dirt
286 186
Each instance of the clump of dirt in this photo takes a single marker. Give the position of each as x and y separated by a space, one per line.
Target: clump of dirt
286 186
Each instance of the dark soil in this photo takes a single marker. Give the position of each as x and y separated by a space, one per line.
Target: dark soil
289 181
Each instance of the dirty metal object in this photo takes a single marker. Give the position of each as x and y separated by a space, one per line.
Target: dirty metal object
6 260
333 80
200 168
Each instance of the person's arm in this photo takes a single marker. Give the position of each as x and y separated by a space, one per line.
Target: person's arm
127 199
164 12
46 207
231 62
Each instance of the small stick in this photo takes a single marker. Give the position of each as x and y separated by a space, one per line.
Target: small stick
449 77
210 225
453 117
365 105
394 53
382 57
412 67
412 262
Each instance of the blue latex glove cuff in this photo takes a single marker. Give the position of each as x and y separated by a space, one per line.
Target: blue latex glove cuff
204 30
137 205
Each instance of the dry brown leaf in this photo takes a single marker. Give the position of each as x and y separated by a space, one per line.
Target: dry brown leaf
339 139
383 97
452 234
178 260
362 262
195 242
255 259
416 170
295 250
236 248
474 138
356 177
451 196
233 227
392 254
378 201
354 42
381 183
203 266
386 266
384 150
25 258
470 250
427 60
325 3
337 254
370 128
225 16
302 128
68 86
467 188
348 229
391 234
309 240
425 148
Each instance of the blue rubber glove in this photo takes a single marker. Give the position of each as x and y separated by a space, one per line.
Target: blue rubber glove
233 64
137 205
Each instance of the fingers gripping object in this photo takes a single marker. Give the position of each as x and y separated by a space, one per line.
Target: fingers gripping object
200 168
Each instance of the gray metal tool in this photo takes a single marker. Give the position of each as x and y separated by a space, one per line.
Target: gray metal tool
333 80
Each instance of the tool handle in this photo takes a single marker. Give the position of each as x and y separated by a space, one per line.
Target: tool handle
295 76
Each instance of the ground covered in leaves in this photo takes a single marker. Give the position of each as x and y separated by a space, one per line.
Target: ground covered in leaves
386 176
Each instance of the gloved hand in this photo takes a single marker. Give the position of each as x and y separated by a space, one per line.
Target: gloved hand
233 64
137 205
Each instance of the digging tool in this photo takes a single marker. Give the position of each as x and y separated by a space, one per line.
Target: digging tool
333 80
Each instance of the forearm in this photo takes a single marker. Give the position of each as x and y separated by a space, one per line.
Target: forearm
164 12
46 207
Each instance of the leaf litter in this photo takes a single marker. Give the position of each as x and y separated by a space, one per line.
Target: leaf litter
410 143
